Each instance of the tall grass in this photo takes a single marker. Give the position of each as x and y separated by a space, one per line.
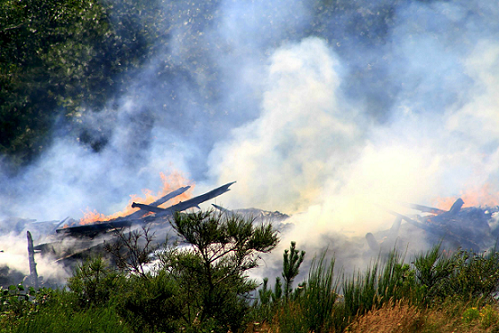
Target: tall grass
381 283
319 295
311 306
328 304
61 319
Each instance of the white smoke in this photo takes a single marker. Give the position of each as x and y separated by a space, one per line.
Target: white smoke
319 116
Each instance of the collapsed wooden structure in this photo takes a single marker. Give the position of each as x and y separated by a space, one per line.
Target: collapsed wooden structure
146 213
467 228
75 242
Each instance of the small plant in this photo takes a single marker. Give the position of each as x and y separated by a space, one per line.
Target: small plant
16 300
292 260
391 281
269 300
93 282
471 315
149 304
488 316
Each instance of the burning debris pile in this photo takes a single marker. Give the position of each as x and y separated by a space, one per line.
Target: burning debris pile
77 240
474 228
146 213
69 241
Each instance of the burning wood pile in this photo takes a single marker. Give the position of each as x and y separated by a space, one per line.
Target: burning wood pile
146 213
76 240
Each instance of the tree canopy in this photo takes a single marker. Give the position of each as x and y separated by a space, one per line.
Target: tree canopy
60 58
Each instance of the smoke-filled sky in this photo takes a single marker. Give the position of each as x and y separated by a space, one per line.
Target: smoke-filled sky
316 108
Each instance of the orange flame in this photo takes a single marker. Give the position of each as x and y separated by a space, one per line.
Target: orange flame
171 182
478 196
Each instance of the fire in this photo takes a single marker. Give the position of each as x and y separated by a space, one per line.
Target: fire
478 196
171 182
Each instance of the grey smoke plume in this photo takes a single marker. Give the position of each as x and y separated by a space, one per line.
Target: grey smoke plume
315 108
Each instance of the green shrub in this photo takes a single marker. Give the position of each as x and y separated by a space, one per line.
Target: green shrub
465 274
471 315
488 316
150 304
290 318
213 289
395 281
93 283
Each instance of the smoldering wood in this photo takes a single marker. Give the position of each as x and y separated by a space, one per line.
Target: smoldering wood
439 231
372 242
456 207
183 205
222 209
467 228
425 209
32 264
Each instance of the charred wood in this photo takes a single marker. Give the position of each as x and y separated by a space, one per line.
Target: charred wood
138 218
33 275
194 202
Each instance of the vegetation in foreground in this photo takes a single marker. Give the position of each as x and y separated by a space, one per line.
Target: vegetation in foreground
203 288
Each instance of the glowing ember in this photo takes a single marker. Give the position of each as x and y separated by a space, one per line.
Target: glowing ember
171 182
483 196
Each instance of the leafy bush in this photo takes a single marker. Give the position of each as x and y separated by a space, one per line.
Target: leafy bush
489 316
16 302
470 315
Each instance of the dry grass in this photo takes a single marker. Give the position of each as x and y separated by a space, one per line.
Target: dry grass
399 317
391 318
402 318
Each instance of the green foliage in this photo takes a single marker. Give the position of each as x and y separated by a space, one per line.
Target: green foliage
93 283
290 318
60 58
319 296
269 300
191 293
393 281
470 315
464 273
16 301
307 308
433 270
60 316
292 260
488 316
150 304
45 49
277 294
476 276
212 287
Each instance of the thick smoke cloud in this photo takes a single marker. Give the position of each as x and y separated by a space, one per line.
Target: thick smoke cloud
319 109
